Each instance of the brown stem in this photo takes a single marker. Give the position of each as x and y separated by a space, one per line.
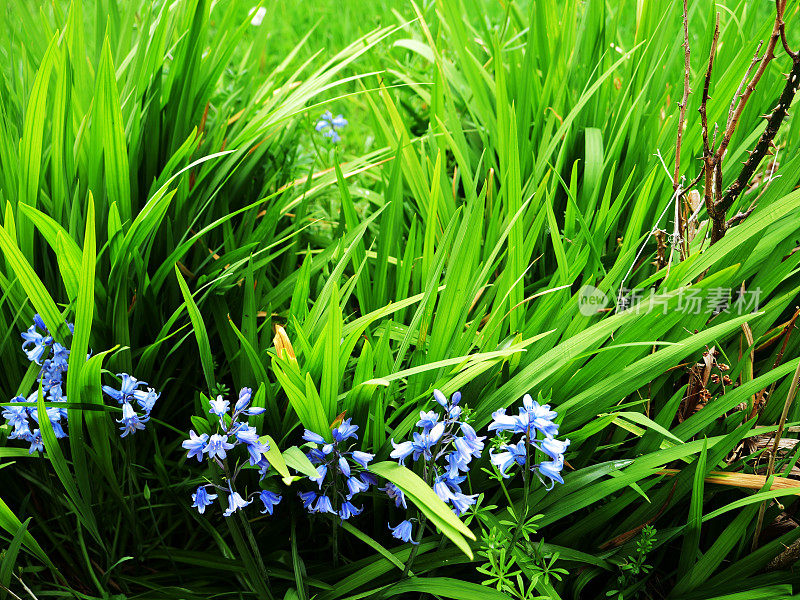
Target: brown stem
753 63
764 144
686 92
708 149
762 67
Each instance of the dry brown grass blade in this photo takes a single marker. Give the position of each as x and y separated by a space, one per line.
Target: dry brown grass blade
743 480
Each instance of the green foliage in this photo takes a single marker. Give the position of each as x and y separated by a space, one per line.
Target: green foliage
162 186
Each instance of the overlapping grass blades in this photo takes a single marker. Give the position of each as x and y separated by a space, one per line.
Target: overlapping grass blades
162 186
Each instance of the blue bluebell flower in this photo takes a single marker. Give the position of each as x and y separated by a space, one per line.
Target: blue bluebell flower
401 451
462 502
195 445
21 432
424 442
532 417
502 422
128 394
447 445
344 466
219 407
244 399
323 505
127 386
362 458
402 531
312 437
345 431
257 452
56 395
356 485
428 419
36 344
512 453
329 125
552 469
442 489
307 498
395 493
54 416
348 509
218 446
16 416
341 471
201 498
263 466
146 399
322 471
235 502
535 422
246 434
269 499
131 422
552 447
35 438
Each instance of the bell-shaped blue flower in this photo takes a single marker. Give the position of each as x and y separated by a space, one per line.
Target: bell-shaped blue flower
348 509
218 446
235 502
269 499
402 531
195 445
131 422
312 437
362 458
345 431
201 498
244 400
323 505
427 419
219 406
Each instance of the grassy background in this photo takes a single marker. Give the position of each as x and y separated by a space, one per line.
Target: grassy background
498 157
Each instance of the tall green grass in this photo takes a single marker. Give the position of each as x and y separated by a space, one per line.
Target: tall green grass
162 186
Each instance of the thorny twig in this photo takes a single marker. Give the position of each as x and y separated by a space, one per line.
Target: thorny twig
686 92
708 149
718 203
676 182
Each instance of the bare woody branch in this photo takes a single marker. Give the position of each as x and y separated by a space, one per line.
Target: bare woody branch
708 150
718 203
766 140
684 101
769 54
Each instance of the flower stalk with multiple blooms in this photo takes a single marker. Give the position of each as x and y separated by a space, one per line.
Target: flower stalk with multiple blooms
446 445
538 432
53 359
329 126
232 430
341 472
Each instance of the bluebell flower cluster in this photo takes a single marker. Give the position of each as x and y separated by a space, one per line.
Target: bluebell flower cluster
232 430
535 424
329 125
341 472
53 361
446 444
129 396
52 358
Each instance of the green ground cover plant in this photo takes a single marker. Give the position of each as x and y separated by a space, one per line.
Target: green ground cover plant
440 299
